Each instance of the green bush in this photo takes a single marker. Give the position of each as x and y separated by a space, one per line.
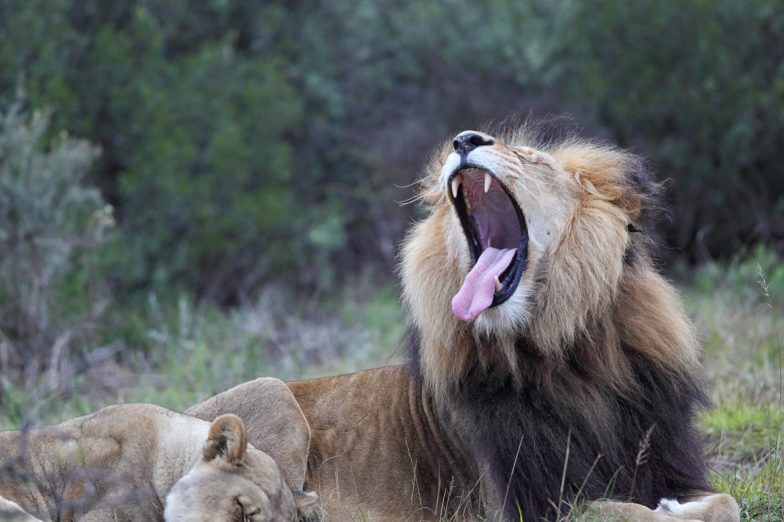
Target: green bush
209 195
250 142
52 227
697 86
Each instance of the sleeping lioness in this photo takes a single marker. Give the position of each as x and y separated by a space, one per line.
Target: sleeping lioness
123 461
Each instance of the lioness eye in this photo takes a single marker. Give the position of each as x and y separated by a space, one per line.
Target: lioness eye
248 515
240 515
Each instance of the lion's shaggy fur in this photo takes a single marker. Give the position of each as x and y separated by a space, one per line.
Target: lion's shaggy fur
605 362
598 283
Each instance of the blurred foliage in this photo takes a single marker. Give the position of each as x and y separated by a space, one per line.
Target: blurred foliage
756 277
698 86
51 230
247 142
172 359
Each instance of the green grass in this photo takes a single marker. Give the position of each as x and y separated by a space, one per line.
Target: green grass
739 313
175 354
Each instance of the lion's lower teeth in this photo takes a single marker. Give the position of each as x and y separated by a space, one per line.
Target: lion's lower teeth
497 284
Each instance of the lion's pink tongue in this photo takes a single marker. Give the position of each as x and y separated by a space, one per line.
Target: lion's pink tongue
478 289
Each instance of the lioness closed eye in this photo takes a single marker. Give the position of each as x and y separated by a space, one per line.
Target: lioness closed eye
121 462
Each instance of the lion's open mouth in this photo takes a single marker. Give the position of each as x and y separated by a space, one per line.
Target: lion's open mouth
497 237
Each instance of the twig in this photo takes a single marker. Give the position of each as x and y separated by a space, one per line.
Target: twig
511 474
563 475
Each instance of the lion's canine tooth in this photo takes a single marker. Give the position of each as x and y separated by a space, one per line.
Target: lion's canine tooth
497 284
488 180
455 185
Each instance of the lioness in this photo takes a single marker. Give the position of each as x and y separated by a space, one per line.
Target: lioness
548 362
121 462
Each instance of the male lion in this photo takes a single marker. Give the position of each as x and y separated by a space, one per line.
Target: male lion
549 363
121 462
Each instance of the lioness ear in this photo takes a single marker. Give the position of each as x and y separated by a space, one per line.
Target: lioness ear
276 424
306 502
226 439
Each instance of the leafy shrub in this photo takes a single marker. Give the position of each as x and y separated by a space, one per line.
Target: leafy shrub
51 227
706 104
209 197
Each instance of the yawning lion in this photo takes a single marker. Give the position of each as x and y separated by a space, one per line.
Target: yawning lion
549 362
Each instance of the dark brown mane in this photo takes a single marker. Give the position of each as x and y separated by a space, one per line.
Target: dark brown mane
622 447
605 363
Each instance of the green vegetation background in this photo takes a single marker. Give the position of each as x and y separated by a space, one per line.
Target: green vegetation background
197 193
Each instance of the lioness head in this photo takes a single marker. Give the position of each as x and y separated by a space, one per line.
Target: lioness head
534 247
234 482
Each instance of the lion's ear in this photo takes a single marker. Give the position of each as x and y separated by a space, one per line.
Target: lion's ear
611 175
306 502
632 203
226 440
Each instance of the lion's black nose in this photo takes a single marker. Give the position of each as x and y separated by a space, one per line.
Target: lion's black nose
467 141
